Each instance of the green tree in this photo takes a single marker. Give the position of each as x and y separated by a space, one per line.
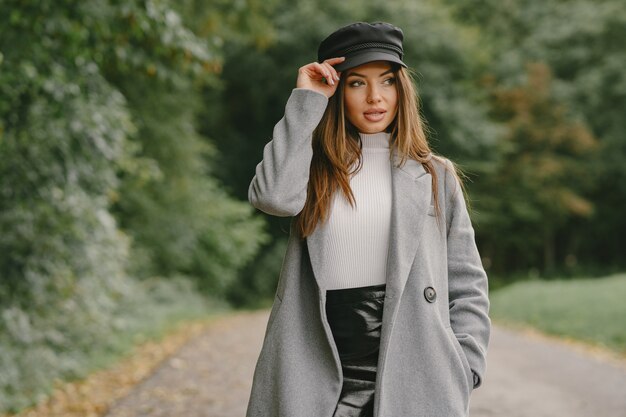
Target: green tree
539 182
96 111
581 42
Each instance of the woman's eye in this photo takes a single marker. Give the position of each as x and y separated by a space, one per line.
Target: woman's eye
356 83
390 80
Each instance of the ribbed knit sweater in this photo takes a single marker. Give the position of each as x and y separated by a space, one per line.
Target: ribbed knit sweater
355 252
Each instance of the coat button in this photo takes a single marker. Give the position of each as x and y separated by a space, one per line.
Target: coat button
430 294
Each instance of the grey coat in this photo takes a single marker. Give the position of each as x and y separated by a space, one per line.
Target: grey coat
430 346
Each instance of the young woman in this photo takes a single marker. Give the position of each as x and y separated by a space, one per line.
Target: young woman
382 303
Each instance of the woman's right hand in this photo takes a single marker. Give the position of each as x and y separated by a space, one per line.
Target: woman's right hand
320 77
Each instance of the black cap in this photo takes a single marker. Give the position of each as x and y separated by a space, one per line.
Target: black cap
361 43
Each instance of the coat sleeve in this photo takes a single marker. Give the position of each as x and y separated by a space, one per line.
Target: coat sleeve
467 281
279 186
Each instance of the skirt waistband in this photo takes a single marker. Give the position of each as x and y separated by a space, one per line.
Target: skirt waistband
353 295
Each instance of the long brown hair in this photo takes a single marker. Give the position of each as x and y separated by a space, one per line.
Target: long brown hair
336 149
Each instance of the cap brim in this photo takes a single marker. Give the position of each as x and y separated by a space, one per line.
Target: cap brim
365 57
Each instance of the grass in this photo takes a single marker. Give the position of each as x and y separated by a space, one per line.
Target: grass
153 309
592 310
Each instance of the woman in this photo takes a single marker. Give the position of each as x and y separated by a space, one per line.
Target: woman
381 307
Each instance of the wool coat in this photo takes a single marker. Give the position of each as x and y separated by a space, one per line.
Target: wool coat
435 326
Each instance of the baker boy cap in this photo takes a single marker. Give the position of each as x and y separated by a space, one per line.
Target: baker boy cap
361 43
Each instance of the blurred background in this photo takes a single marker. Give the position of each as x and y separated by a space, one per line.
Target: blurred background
130 130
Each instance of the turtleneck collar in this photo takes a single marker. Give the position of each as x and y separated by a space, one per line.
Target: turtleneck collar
378 140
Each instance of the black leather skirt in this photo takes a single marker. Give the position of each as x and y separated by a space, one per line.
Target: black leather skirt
355 318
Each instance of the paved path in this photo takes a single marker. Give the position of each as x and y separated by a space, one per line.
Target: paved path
209 377
541 377
527 376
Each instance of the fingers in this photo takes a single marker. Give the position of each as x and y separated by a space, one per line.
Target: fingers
322 77
335 61
332 72
327 70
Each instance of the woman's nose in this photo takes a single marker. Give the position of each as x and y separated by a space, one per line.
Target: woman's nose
373 95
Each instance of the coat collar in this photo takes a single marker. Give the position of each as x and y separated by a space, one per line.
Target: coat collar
411 196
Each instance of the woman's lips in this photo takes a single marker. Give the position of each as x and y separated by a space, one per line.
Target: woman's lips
375 116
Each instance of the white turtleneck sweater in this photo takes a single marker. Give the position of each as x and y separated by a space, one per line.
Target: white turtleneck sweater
355 253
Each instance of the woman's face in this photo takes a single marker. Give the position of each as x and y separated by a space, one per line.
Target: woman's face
371 96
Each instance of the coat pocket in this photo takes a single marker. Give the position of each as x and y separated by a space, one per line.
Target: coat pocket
463 362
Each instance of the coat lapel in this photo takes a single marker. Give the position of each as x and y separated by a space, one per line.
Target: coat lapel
411 191
411 194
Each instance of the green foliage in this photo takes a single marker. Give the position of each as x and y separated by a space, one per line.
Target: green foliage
580 41
95 114
66 132
538 182
256 285
585 309
180 219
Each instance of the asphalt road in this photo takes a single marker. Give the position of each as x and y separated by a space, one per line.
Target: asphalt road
527 376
